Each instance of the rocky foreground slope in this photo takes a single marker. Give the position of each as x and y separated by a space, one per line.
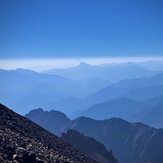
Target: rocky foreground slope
24 141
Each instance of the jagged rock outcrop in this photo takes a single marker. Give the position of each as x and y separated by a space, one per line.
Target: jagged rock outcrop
52 120
24 141
90 146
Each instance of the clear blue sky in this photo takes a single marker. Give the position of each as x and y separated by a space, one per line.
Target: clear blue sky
80 28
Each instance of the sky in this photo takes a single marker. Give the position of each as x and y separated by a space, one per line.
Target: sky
52 29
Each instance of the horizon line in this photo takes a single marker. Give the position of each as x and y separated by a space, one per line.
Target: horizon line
43 64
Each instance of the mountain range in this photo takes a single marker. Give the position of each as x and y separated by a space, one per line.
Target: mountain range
99 110
139 89
28 89
149 111
26 142
113 72
130 142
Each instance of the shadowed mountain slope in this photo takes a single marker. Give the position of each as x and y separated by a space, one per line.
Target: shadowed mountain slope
124 86
118 107
130 142
153 114
144 93
53 121
24 141
90 146
149 111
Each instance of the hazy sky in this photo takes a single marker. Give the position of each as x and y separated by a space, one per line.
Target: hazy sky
41 64
80 28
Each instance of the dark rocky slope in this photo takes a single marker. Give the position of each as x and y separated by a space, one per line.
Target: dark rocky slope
90 146
24 141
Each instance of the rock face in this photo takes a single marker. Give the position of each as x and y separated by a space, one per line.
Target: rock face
90 146
53 121
24 141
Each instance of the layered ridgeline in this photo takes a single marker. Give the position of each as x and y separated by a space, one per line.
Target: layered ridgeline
24 141
30 89
149 111
138 89
113 72
130 142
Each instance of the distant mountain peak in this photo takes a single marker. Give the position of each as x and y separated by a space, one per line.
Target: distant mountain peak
47 119
51 113
39 110
83 65
22 70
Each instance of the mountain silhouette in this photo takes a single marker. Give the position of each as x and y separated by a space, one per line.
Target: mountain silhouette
112 72
53 121
124 86
151 113
136 89
144 93
130 142
148 112
90 146
30 89
118 107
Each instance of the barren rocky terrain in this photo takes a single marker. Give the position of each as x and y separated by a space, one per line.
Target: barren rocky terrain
25 142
